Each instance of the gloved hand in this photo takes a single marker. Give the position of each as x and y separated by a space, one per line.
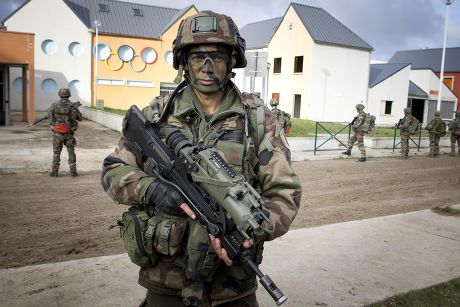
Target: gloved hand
164 198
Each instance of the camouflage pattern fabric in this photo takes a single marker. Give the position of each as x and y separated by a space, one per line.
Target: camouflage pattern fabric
64 111
270 172
283 118
358 133
404 126
454 128
435 127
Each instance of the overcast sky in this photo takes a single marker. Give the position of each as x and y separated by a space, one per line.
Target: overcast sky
387 25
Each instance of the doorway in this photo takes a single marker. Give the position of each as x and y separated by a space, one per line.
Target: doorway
297 104
418 106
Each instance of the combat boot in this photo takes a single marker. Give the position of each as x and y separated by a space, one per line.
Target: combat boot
362 159
54 173
347 152
73 172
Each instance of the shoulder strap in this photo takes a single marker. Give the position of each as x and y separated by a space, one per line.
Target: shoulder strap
256 114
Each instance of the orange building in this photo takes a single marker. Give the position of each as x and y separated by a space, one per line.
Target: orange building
17 50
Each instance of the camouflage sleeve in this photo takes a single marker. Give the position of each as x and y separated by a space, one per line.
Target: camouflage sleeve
407 122
287 123
123 178
51 117
281 187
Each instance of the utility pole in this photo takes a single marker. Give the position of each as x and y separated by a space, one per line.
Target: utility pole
441 75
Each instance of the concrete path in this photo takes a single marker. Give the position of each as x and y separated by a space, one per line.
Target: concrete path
346 264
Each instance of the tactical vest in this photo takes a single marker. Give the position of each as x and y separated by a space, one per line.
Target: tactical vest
62 116
240 136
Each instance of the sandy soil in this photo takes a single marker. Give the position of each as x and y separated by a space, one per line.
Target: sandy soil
44 219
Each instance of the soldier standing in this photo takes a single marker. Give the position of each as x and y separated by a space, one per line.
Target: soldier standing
358 133
436 128
63 116
210 110
283 118
454 128
404 124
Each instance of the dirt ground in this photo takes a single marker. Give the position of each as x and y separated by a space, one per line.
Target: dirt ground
44 219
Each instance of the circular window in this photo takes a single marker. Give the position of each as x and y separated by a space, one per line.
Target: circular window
17 84
103 51
76 49
75 87
49 47
49 86
125 53
149 55
169 57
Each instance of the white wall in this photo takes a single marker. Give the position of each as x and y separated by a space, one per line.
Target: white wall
396 89
427 80
53 19
339 81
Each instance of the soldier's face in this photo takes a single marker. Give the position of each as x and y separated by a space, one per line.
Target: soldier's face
208 64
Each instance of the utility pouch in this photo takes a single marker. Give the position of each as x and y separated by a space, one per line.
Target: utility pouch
133 227
166 233
61 127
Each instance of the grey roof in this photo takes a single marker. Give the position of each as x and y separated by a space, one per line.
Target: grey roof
380 72
120 19
429 59
258 34
325 29
416 91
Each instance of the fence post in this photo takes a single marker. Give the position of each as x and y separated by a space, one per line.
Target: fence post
316 136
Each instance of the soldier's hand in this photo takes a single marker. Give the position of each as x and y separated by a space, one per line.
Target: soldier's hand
164 198
222 252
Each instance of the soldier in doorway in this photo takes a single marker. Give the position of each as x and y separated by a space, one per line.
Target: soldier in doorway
454 129
358 133
436 128
64 116
283 118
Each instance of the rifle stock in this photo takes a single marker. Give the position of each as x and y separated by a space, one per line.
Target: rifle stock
225 203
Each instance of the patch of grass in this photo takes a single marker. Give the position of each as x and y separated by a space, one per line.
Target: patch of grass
445 294
114 111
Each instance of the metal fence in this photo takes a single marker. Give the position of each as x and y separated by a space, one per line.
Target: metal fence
332 135
395 145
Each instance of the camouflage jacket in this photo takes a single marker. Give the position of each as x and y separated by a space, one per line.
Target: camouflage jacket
436 126
406 122
64 111
283 118
359 121
454 126
125 181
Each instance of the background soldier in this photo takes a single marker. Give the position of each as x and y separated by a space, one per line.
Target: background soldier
454 128
208 109
283 118
63 116
436 128
358 133
404 124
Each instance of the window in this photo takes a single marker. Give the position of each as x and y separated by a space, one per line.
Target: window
49 86
277 65
75 87
169 57
103 7
298 64
17 85
387 106
76 49
110 82
137 12
449 82
49 46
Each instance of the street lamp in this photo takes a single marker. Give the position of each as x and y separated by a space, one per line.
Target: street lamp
97 25
441 75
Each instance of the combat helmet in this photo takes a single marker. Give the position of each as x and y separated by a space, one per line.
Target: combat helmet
274 102
360 106
64 92
208 27
407 110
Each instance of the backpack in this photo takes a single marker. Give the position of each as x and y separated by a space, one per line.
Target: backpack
369 123
414 127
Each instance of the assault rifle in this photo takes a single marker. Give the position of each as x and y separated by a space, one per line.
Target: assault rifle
398 124
46 117
353 121
221 199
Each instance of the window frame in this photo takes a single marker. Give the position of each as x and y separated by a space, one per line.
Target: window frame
277 62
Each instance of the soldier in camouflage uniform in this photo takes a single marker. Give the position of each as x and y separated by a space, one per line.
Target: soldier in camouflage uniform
454 129
209 109
283 117
358 133
64 116
436 128
404 125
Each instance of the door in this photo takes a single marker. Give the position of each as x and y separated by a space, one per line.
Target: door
297 105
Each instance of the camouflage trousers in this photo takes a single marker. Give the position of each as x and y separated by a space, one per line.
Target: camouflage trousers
405 137
160 300
434 144
357 137
454 138
59 140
